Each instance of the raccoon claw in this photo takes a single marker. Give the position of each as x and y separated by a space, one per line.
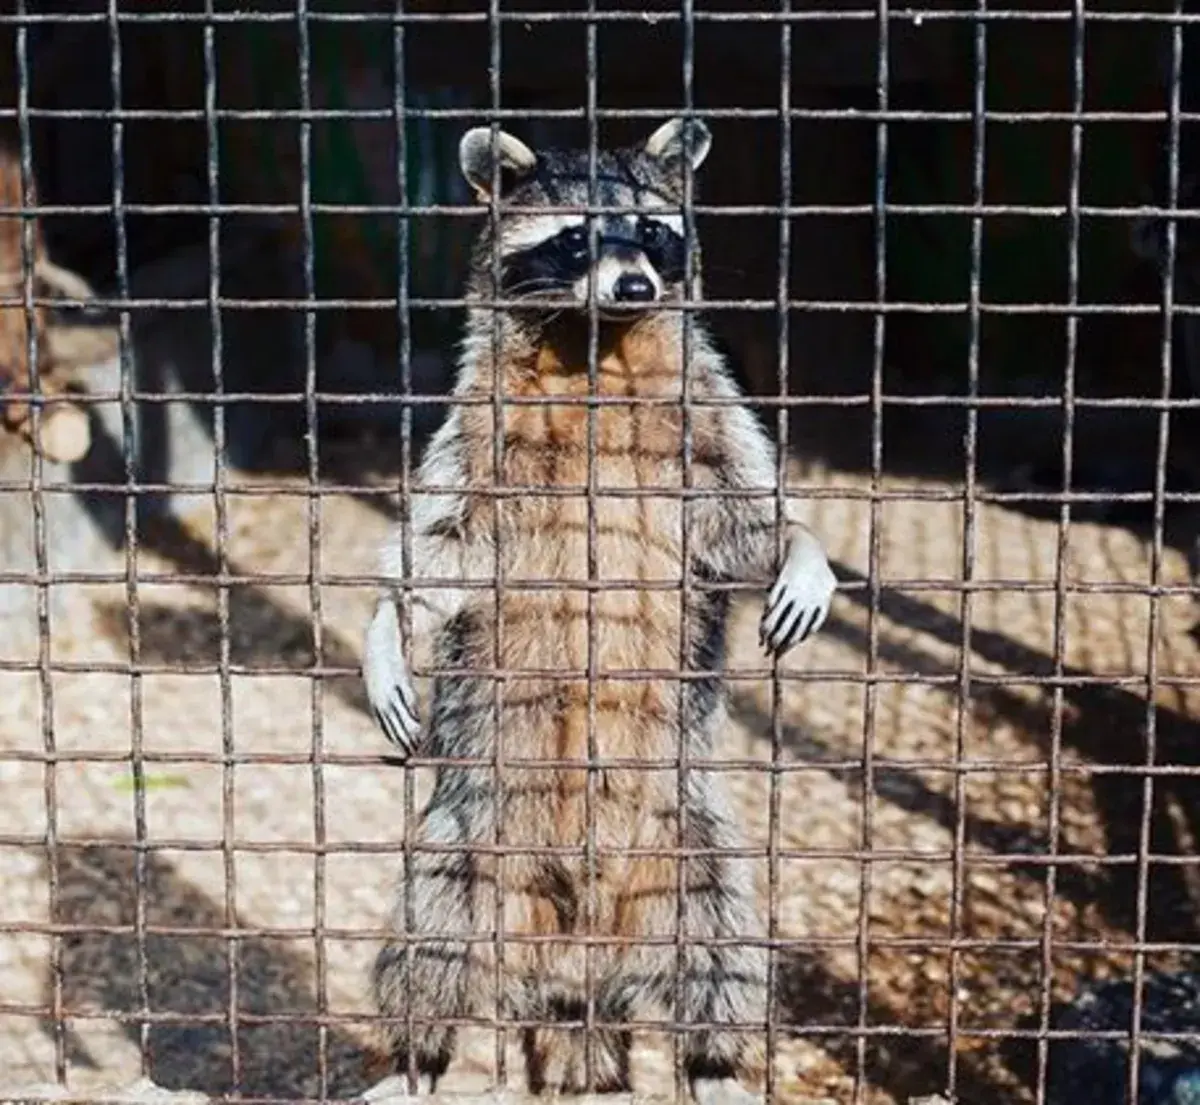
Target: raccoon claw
798 604
398 719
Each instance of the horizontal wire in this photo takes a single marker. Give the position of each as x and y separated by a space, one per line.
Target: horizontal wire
334 580
473 211
534 114
793 943
831 764
648 16
579 675
645 402
698 1025
707 306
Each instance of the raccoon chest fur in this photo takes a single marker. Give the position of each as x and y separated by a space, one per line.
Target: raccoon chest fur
636 633
638 440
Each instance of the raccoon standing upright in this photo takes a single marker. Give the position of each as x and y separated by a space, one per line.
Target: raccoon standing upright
538 532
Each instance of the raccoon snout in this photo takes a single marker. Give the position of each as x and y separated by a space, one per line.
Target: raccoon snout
627 283
634 287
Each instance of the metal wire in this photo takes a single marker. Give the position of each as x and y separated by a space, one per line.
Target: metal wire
37 494
131 541
1107 750
874 546
969 552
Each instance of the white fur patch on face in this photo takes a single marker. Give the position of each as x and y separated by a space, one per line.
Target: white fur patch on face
609 271
627 225
658 211
528 233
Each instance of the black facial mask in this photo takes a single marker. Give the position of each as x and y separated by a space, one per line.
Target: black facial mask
564 258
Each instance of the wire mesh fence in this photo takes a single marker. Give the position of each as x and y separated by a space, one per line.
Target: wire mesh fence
249 340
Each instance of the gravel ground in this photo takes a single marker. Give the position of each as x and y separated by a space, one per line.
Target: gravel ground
952 841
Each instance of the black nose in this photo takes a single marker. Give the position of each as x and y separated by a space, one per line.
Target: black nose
633 287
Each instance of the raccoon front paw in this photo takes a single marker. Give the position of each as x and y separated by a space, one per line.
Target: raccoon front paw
798 604
389 684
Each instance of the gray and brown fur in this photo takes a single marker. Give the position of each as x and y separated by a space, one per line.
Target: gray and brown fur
544 635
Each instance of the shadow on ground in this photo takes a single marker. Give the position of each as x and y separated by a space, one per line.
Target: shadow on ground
188 979
1102 724
262 632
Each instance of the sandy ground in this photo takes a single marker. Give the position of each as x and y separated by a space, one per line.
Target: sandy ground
917 815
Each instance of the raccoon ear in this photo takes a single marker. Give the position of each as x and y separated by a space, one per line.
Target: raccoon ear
678 138
475 158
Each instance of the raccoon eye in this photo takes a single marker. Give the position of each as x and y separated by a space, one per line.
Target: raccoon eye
652 234
573 241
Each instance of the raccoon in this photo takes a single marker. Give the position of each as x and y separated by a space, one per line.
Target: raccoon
537 630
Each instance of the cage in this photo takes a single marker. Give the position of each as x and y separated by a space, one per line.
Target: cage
947 256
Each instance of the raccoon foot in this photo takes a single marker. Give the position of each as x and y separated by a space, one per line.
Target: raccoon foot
389 685
556 1059
723 1091
395 1087
798 604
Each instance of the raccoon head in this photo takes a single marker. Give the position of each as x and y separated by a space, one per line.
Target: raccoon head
640 253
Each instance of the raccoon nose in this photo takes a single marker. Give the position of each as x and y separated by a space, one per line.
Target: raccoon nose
633 287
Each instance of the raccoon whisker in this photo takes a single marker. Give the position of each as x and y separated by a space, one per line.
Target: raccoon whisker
527 288
538 293
555 315
534 285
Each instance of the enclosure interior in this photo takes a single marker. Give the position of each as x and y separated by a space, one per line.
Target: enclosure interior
968 801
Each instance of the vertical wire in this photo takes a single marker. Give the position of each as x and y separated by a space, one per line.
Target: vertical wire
1156 556
501 1037
221 509
404 311
317 686
687 12
783 349
1062 548
29 248
966 607
30 238
593 360
132 595
874 545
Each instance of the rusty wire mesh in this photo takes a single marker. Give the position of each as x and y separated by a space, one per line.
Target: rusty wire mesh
1058 775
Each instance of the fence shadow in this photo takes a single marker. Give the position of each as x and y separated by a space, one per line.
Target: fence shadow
1103 724
1019 452
190 976
906 1065
1108 726
262 632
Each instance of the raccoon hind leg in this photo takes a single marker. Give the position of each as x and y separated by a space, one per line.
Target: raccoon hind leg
723 985
421 985
556 1059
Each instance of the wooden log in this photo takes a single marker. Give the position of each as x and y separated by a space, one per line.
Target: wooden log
60 432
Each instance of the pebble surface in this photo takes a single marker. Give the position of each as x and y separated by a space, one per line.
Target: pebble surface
935 823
